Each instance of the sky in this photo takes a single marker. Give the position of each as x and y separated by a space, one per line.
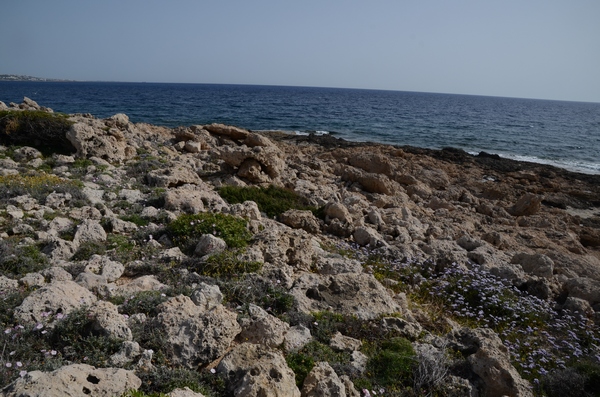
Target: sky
545 49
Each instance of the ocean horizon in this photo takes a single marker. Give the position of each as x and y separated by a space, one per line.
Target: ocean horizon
560 133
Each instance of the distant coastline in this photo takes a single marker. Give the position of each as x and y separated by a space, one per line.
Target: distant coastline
20 77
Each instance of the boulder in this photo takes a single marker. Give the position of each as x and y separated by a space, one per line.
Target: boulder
173 175
296 338
253 370
229 131
184 392
262 163
299 219
536 264
341 342
247 209
195 336
89 230
90 138
260 327
322 381
347 293
57 297
207 297
584 288
364 235
490 360
209 245
528 204
102 265
107 320
75 380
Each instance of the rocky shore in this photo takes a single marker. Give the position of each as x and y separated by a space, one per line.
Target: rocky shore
133 263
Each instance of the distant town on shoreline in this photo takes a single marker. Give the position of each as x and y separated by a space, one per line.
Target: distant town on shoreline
20 77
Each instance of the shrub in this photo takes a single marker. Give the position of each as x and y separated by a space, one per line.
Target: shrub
187 229
143 302
42 130
87 249
271 200
393 363
227 264
38 186
19 260
303 361
161 379
252 288
76 340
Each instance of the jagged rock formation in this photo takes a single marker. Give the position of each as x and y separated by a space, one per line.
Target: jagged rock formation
534 228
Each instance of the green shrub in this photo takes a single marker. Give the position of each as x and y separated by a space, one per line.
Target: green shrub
392 364
39 186
301 364
224 264
76 340
87 249
186 230
252 288
302 361
143 302
42 130
19 260
161 379
271 200
135 218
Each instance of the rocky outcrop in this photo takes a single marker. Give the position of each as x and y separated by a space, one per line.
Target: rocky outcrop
196 336
60 297
387 225
253 370
74 380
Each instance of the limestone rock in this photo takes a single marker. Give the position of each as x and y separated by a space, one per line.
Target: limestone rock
338 211
102 265
584 288
322 381
528 204
89 230
75 380
261 162
184 392
299 219
247 209
348 293
262 328
195 336
536 264
341 342
364 235
90 138
57 248
108 321
490 360
253 370
58 297
207 297
7 285
296 337
232 132
174 175
209 245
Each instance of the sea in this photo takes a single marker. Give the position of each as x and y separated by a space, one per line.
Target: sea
560 133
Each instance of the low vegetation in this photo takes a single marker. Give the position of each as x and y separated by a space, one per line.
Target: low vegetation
42 130
271 200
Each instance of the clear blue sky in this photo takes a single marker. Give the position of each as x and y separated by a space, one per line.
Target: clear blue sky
546 49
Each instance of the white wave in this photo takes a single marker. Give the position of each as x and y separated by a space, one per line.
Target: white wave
583 167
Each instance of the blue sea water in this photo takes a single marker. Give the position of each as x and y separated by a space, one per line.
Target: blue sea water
565 134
